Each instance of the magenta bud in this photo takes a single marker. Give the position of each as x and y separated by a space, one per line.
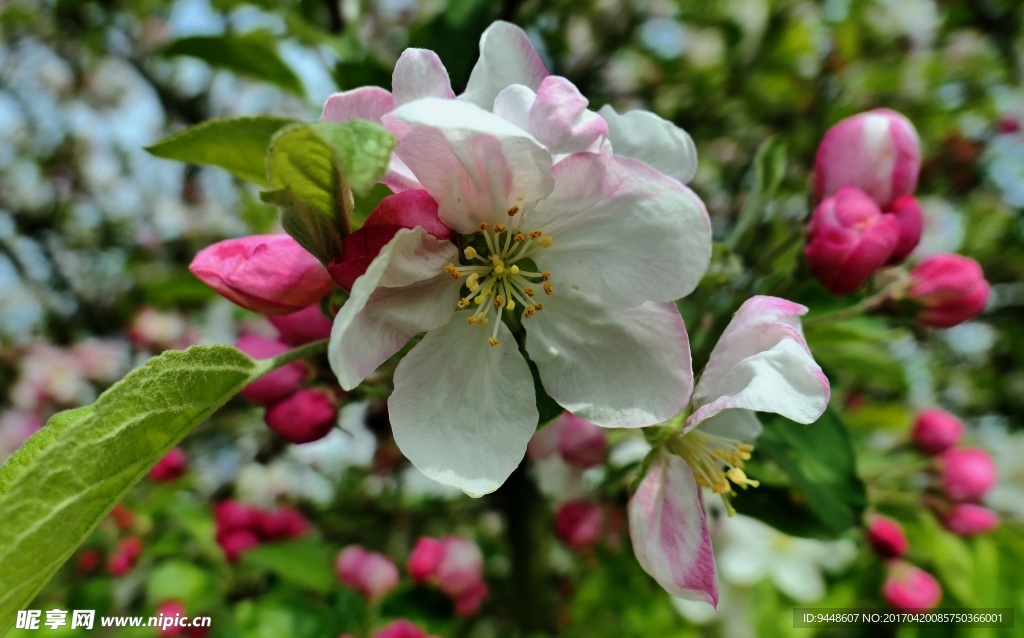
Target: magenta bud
303 416
886 537
909 588
848 239
269 274
968 519
400 628
908 212
426 555
281 524
580 442
461 566
407 209
951 289
967 474
468 602
877 152
130 547
88 560
233 515
237 542
171 608
170 467
119 564
304 326
579 524
370 573
274 385
936 431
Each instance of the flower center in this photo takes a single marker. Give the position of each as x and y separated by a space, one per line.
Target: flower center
716 461
500 276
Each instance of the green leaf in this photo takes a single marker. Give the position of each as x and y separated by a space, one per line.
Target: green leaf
304 563
180 580
769 169
65 480
237 144
824 496
314 169
285 614
252 54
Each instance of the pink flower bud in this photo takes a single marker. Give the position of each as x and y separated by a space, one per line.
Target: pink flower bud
968 519
303 416
130 547
270 274
936 431
88 560
886 537
234 515
545 441
400 629
281 524
370 573
848 239
119 565
426 555
877 152
908 588
279 383
908 212
172 466
123 517
304 326
237 542
967 473
461 567
171 609
468 602
580 442
579 524
951 289
407 209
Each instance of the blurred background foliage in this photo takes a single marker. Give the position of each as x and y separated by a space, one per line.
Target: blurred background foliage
96 236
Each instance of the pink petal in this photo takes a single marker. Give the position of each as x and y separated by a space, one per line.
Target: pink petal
420 73
506 57
365 103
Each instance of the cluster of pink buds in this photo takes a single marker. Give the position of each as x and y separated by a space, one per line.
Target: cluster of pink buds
582 524
371 574
125 555
454 565
906 587
866 218
172 466
965 474
241 526
579 443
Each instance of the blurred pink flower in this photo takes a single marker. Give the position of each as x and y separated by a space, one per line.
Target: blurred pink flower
370 573
950 288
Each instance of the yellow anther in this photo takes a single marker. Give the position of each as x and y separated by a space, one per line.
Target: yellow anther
480 299
493 342
499 269
482 321
471 319
544 241
451 270
498 228
513 269
512 211
529 311
499 302
529 292
548 290
463 303
737 476
519 238
511 305
473 281
540 306
483 226
470 252
546 275
534 234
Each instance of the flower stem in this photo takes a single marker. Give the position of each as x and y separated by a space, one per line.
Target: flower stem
302 352
865 305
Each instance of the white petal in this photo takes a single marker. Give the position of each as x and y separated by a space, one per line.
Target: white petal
739 425
654 140
614 367
622 231
506 57
799 579
420 73
514 103
462 411
475 164
404 292
560 119
365 103
669 533
762 363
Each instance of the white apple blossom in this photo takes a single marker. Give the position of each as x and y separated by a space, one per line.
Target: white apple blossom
761 363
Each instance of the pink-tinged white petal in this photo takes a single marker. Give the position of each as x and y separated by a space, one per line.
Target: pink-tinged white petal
474 164
506 57
762 363
737 425
557 115
404 292
669 532
622 231
653 140
420 73
612 366
364 103
466 423
514 103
